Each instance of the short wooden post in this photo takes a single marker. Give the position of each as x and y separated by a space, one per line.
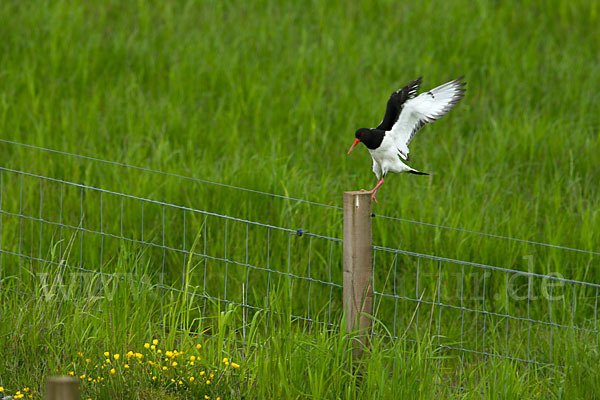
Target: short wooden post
358 265
62 388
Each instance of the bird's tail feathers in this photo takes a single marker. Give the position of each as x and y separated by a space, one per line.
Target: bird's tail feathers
414 171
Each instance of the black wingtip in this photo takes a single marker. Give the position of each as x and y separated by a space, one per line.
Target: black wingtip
416 83
410 90
459 82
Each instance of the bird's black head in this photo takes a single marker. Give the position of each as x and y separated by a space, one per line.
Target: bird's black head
360 133
372 138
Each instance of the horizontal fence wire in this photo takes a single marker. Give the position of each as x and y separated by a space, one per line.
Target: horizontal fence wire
314 203
479 312
475 313
90 230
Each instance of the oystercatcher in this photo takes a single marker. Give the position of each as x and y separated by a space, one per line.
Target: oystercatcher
404 116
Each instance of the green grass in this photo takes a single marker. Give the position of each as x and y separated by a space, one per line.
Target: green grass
267 95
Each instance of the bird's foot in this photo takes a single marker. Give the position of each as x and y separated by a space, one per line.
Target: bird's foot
372 192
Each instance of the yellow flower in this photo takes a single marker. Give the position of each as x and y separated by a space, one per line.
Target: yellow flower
151 362
234 365
1 389
191 379
82 376
129 354
192 363
112 371
169 353
153 347
126 366
225 360
154 378
107 361
139 356
193 358
202 373
206 397
159 351
174 363
87 360
146 345
116 356
80 354
180 382
164 368
89 379
212 376
106 354
208 382
71 373
155 341
198 346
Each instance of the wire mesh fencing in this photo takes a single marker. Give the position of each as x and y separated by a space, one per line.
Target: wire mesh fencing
83 236
95 234
476 312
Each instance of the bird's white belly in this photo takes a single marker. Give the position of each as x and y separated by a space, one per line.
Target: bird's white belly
387 159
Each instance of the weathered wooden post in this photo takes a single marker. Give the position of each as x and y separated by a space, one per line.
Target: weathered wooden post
62 388
358 265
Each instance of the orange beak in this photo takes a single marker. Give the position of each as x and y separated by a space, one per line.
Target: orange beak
356 141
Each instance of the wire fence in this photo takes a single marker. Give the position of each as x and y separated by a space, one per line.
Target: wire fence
478 311
474 312
295 199
83 229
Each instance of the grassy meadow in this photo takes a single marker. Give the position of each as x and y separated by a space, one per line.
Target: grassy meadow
266 95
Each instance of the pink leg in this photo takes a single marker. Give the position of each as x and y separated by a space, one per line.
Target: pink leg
375 189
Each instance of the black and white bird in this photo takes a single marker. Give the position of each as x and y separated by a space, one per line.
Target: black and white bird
405 114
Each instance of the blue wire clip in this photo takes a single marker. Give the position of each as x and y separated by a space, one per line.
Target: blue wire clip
299 232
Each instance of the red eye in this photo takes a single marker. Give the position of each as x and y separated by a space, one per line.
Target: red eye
362 134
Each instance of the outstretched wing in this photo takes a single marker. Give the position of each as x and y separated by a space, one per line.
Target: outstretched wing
395 103
426 107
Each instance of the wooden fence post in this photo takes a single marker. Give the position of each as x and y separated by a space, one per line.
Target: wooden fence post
358 265
62 388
